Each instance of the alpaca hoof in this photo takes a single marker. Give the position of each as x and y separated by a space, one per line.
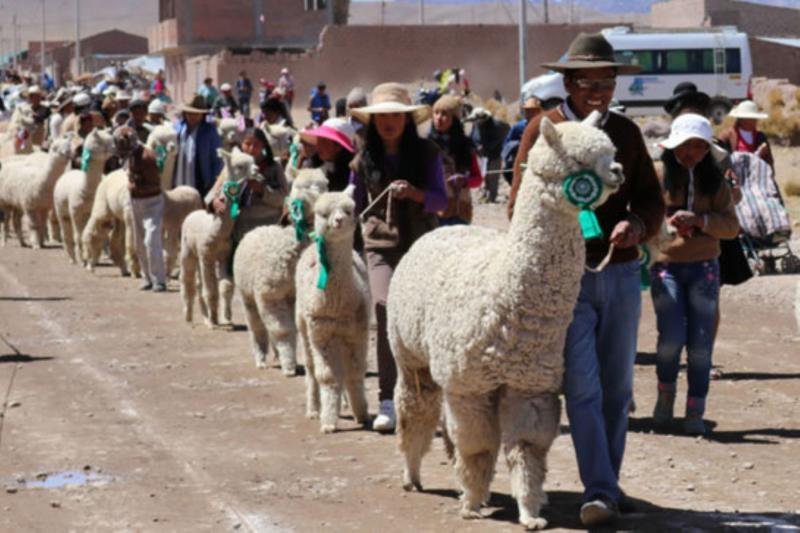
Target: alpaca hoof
260 363
327 428
412 485
471 514
533 523
312 415
125 274
289 372
210 324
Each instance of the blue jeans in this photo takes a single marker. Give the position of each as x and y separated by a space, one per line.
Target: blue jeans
685 299
598 374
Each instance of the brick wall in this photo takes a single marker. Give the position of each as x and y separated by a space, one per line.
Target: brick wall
367 55
772 60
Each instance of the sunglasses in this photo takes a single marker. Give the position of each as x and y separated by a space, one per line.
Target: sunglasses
596 85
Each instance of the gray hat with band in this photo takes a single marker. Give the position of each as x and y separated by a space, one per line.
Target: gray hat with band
591 50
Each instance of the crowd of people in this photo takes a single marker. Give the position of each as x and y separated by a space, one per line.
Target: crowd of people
374 143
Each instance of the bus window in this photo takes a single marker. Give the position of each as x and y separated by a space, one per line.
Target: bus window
698 61
647 59
733 61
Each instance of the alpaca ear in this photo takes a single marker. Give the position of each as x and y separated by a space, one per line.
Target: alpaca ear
172 147
593 119
224 154
350 190
550 133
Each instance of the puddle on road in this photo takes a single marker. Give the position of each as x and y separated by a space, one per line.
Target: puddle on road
61 480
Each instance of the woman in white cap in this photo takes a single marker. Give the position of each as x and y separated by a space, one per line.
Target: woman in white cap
156 112
399 189
685 276
225 105
744 135
286 85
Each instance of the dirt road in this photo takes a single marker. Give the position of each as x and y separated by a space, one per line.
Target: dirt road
120 417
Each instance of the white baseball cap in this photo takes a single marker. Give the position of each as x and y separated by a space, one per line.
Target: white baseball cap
225 87
81 100
156 107
692 126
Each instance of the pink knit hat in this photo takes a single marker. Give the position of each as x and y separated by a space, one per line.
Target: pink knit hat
335 129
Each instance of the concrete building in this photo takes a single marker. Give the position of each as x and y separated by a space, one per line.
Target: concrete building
98 51
189 28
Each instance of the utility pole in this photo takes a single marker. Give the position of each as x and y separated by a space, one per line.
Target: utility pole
546 12
77 38
523 42
14 40
43 40
421 12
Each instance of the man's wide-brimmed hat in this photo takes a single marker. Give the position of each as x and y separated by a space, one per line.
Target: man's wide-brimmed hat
591 50
747 109
391 98
197 105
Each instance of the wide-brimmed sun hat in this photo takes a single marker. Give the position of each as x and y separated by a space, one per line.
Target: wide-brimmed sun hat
747 109
336 129
692 126
391 98
450 104
196 105
685 94
591 50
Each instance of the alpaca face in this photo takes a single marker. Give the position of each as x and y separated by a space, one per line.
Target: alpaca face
101 143
240 165
229 132
334 215
308 186
570 148
63 146
163 136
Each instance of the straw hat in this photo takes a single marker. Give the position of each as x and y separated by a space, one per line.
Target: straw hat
391 98
747 109
692 126
196 105
335 129
591 50
449 104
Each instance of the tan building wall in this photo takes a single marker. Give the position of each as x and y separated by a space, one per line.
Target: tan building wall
678 14
772 60
367 55
754 19
114 42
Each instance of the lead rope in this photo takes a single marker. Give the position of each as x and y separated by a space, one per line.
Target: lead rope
387 190
604 263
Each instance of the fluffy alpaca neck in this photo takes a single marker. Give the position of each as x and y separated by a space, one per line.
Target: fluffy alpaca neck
166 174
545 242
340 259
95 173
56 164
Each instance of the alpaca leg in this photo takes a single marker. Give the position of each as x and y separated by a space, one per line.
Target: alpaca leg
16 219
68 236
472 423
53 229
278 316
131 257
188 283
418 404
226 291
329 373
172 244
355 368
312 387
529 425
38 222
258 333
116 249
210 291
78 222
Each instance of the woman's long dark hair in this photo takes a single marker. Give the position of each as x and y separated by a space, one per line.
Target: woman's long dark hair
412 155
708 176
340 176
456 144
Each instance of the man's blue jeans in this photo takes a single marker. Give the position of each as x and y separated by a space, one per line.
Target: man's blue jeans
598 374
685 299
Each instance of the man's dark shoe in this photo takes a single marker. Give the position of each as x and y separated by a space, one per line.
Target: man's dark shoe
598 512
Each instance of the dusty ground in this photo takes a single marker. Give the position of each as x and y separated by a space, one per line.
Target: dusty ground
161 426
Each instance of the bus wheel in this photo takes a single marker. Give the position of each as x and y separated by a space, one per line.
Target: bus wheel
719 109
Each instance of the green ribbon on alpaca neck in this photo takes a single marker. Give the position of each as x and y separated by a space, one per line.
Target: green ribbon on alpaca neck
583 189
297 214
161 157
232 190
324 263
644 260
86 157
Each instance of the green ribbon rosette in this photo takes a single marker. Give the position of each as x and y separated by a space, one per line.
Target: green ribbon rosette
232 190
324 264
161 157
644 260
86 157
583 189
297 214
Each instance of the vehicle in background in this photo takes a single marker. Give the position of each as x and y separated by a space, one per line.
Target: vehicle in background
717 60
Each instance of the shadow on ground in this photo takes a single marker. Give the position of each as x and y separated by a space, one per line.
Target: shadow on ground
22 358
34 299
563 509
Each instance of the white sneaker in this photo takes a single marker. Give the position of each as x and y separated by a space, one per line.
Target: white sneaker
386 419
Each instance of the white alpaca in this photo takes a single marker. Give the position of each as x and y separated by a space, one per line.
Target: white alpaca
229 133
483 315
26 187
206 244
111 213
333 313
178 203
163 141
263 268
74 192
280 139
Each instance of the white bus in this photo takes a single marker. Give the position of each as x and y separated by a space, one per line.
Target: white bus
717 60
